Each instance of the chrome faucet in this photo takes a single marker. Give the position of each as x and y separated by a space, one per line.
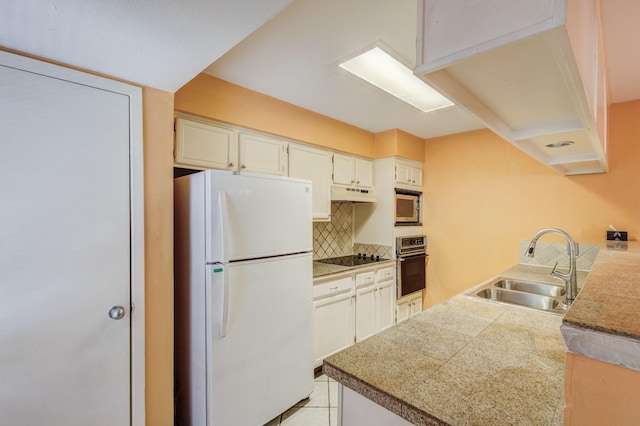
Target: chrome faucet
570 278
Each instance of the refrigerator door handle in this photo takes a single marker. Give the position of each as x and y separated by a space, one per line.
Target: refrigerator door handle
224 323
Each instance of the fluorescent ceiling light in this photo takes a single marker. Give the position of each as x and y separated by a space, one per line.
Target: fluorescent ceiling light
387 73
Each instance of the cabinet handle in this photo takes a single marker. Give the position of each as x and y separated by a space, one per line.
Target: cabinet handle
231 164
333 288
352 181
244 166
358 181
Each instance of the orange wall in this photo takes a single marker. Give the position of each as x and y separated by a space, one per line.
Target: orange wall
601 393
483 196
158 221
217 99
396 142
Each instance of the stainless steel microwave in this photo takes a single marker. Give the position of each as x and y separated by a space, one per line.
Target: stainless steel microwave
407 207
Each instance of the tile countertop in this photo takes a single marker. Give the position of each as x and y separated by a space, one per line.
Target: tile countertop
321 269
464 361
603 321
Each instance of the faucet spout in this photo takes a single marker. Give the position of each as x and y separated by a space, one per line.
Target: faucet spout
570 278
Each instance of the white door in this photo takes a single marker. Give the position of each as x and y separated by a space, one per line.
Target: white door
65 257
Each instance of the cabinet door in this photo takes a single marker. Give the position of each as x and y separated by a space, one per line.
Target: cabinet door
204 145
364 173
385 302
343 169
315 165
366 312
403 173
332 326
403 311
416 177
261 154
416 305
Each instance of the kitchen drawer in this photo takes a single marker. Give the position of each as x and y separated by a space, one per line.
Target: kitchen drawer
333 288
365 279
385 274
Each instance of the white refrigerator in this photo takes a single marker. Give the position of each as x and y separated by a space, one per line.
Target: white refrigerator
243 297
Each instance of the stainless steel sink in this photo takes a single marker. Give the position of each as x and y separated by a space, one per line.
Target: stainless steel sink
530 287
528 294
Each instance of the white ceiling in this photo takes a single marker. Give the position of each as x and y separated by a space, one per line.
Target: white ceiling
156 43
165 43
293 58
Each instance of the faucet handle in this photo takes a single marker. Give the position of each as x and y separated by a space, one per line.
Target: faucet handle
554 268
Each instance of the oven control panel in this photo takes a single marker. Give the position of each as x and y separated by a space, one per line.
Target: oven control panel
411 245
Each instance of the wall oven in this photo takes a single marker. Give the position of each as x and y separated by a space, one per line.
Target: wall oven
411 264
407 207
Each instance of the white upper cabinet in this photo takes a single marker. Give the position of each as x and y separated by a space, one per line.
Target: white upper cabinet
205 145
315 165
261 154
533 71
352 171
364 172
408 175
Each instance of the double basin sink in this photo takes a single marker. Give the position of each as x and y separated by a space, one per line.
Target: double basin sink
534 295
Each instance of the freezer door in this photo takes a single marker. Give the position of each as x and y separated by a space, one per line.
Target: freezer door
263 364
258 216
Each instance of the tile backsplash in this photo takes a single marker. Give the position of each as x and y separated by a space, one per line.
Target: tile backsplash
373 249
335 238
547 254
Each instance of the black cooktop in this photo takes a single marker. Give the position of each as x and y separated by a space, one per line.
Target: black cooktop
352 260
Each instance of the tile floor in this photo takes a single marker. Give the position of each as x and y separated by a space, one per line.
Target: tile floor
321 409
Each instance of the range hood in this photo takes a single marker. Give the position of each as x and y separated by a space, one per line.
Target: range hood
352 195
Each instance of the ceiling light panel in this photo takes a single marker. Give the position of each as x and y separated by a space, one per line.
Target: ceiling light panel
377 67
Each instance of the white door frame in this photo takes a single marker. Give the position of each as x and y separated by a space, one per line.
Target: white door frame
137 208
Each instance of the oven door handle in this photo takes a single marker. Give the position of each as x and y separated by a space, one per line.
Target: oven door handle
416 256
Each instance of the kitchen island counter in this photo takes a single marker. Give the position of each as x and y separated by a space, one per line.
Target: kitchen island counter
602 322
464 361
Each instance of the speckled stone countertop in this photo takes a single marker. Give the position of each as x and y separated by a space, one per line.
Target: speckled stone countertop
321 269
604 322
462 362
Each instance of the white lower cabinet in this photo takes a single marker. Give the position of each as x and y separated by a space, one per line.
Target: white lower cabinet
351 307
408 307
386 298
366 305
333 316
